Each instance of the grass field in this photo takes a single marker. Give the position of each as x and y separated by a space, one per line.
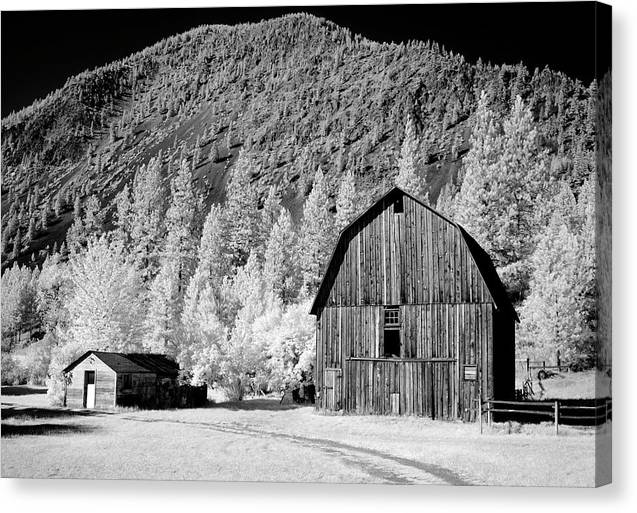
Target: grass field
259 440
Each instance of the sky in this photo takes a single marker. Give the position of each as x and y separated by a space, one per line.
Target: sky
41 49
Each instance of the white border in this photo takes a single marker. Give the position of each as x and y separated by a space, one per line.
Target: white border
49 496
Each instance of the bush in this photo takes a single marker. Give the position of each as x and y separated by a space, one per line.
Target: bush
36 359
12 372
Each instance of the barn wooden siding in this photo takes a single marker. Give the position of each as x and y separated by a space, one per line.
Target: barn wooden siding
416 257
419 261
105 379
437 342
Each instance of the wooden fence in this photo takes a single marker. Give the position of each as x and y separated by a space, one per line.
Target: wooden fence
560 411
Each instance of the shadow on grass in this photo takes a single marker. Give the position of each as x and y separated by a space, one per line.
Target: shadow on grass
257 404
27 412
22 390
13 430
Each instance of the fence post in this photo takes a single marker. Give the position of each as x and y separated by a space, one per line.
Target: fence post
528 366
489 413
557 417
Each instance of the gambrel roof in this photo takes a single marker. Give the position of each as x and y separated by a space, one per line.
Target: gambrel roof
480 257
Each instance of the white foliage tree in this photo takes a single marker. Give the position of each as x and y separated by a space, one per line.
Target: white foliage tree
178 261
504 183
552 317
291 346
18 303
106 306
316 233
165 303
268 217
182 233
346 201
241 209
410 172
280 269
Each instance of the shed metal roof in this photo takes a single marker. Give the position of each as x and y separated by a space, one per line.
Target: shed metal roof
132 362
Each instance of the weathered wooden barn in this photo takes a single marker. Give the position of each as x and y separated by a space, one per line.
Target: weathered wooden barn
99 379
412 318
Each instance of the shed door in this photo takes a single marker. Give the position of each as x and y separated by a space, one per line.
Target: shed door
89 389
332 385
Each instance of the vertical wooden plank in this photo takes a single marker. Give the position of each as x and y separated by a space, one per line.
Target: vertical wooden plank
489 342
388 256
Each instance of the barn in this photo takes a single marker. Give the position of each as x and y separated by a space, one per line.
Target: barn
411 317
100 379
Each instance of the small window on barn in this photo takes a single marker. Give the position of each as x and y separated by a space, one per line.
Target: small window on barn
470 372
127 382
398 205
391 333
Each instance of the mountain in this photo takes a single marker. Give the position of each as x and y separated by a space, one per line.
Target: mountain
296 92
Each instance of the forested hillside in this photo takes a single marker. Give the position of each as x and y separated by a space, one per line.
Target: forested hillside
198 186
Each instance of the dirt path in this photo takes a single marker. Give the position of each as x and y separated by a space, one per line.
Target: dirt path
387 467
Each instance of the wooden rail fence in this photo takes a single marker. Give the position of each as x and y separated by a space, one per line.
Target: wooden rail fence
557 410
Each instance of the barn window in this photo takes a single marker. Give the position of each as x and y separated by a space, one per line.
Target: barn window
470 372
391 333
127 382
398 205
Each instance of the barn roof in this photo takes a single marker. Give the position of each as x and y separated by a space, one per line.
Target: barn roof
133 362
479 255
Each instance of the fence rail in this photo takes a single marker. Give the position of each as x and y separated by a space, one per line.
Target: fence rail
558 410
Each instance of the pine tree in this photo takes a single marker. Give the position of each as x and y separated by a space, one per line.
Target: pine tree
77 206
177 264
409 176
316 234
87 226
213 263
241 210
31 232
214 153
59 204
280 270
502 184
346 201
147 223
44 216
8 231
162 322
182 232
268 216
445 202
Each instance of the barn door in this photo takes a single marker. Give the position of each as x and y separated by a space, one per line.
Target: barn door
89 389
439 384
332 379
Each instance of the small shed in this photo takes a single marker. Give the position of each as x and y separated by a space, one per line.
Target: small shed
100 379
411 317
